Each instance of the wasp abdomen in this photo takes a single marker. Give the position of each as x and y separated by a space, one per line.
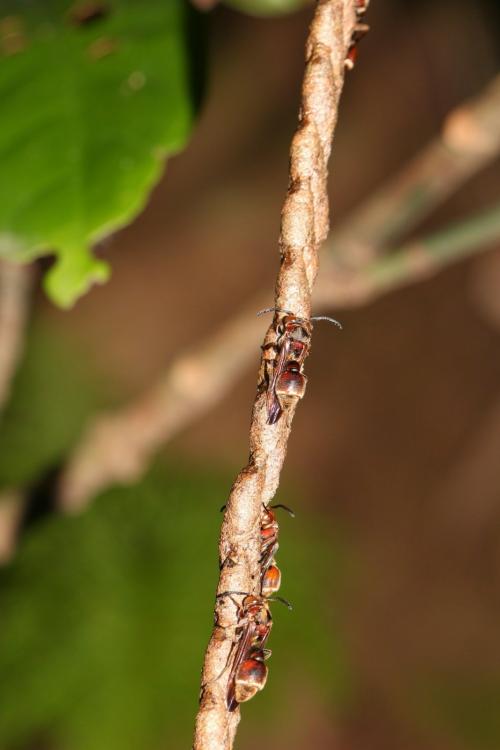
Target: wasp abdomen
271 581
250 677
291 382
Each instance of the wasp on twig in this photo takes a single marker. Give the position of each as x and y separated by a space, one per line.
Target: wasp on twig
270 573
247 660
360 30
292 346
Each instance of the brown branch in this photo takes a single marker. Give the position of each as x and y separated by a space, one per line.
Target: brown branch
15 286
12 507
304 227
470 139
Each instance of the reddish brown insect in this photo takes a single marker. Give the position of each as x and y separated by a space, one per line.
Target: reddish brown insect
361 7
269 529
293 344
248 671
251 675
360 30
271 580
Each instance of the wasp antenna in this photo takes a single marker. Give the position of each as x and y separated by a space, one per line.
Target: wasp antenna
273 309
280 599
330 320
223 508
285 507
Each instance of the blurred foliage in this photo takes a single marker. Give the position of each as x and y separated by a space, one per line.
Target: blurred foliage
267 7
95 96
463 706
51 396
105 618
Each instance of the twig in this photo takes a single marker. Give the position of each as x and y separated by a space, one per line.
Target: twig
15 285
12 506
304 227
414 262
469 140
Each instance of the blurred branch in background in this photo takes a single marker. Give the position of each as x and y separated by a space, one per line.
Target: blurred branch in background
15 288
416 261
118 447
470 139
12 506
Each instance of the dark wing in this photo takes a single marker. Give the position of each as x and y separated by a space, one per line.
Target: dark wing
274 409
241 650
267 557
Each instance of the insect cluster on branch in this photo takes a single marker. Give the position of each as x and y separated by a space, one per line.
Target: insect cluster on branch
248 669
284 380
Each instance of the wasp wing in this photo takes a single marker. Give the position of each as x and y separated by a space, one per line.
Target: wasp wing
267 557
241 649
274 410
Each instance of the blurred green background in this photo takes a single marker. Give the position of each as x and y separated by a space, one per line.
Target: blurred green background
393 560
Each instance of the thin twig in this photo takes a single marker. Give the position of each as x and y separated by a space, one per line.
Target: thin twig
304 226
12 507
470 139
340 287
15 286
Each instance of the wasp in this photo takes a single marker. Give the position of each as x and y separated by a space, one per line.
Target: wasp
293 344
269 529
248 672
360 30
247 659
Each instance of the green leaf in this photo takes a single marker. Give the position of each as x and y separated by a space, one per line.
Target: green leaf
91 108
50 399
105 619
267 7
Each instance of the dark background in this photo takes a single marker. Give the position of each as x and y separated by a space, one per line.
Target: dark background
393 561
